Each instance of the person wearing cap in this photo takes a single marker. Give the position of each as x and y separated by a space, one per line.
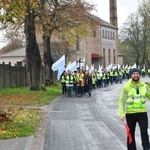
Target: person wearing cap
132 108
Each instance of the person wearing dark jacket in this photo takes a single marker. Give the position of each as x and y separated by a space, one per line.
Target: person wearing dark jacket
89 83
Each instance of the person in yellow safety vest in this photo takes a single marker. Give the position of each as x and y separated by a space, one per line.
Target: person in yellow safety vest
123 73
120 75
128 73
75 83
148 71
132 108
93 80
116 74
86 74
63 82
77 80
107 77
69 83
82 82
99 79
95 74
111 76
104 78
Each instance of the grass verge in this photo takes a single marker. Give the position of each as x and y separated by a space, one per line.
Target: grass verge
25 120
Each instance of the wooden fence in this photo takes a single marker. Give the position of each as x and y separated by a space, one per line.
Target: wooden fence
15 76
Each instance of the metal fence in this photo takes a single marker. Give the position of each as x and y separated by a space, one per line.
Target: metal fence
15 76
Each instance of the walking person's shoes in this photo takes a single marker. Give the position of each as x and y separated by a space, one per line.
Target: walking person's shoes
89 94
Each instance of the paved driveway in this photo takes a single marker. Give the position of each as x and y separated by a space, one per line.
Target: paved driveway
88 123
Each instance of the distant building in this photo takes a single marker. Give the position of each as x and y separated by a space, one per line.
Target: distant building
100 48
16 56
13 57
120 59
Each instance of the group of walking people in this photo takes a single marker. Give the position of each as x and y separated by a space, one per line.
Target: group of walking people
82 81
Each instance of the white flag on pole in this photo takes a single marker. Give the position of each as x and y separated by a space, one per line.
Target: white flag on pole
129 67
126 67
87 68
134 66
92 68
119 66
109 67
60 71
83 60
143 68
59 63
100 70
72 67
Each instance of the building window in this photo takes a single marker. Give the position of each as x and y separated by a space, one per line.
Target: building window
109 58
114 56
94 33
104 59
113 35
103 34
106 34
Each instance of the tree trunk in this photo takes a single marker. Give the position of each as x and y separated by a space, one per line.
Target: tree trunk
33 59
48 60
137 60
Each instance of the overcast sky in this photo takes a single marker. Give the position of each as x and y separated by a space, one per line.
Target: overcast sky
124 8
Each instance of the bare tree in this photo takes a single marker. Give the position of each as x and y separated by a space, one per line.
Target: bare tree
136 34
144 11
131 33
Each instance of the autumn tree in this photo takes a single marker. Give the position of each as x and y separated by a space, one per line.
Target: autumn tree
63 17
16 13
33 59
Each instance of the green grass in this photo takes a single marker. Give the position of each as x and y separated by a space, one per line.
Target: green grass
24 123
44 99
23 96
17 102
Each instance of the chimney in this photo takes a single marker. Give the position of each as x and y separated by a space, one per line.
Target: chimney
113 12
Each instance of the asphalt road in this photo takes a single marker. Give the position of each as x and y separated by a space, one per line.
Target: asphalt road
88 123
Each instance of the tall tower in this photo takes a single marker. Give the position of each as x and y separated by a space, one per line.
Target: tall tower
113 12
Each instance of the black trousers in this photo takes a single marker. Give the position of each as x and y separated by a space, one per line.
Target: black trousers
63 84
142 120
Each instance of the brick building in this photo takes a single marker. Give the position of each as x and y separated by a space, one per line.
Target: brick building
100 48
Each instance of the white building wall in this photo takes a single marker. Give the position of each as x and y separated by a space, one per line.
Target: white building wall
13 60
